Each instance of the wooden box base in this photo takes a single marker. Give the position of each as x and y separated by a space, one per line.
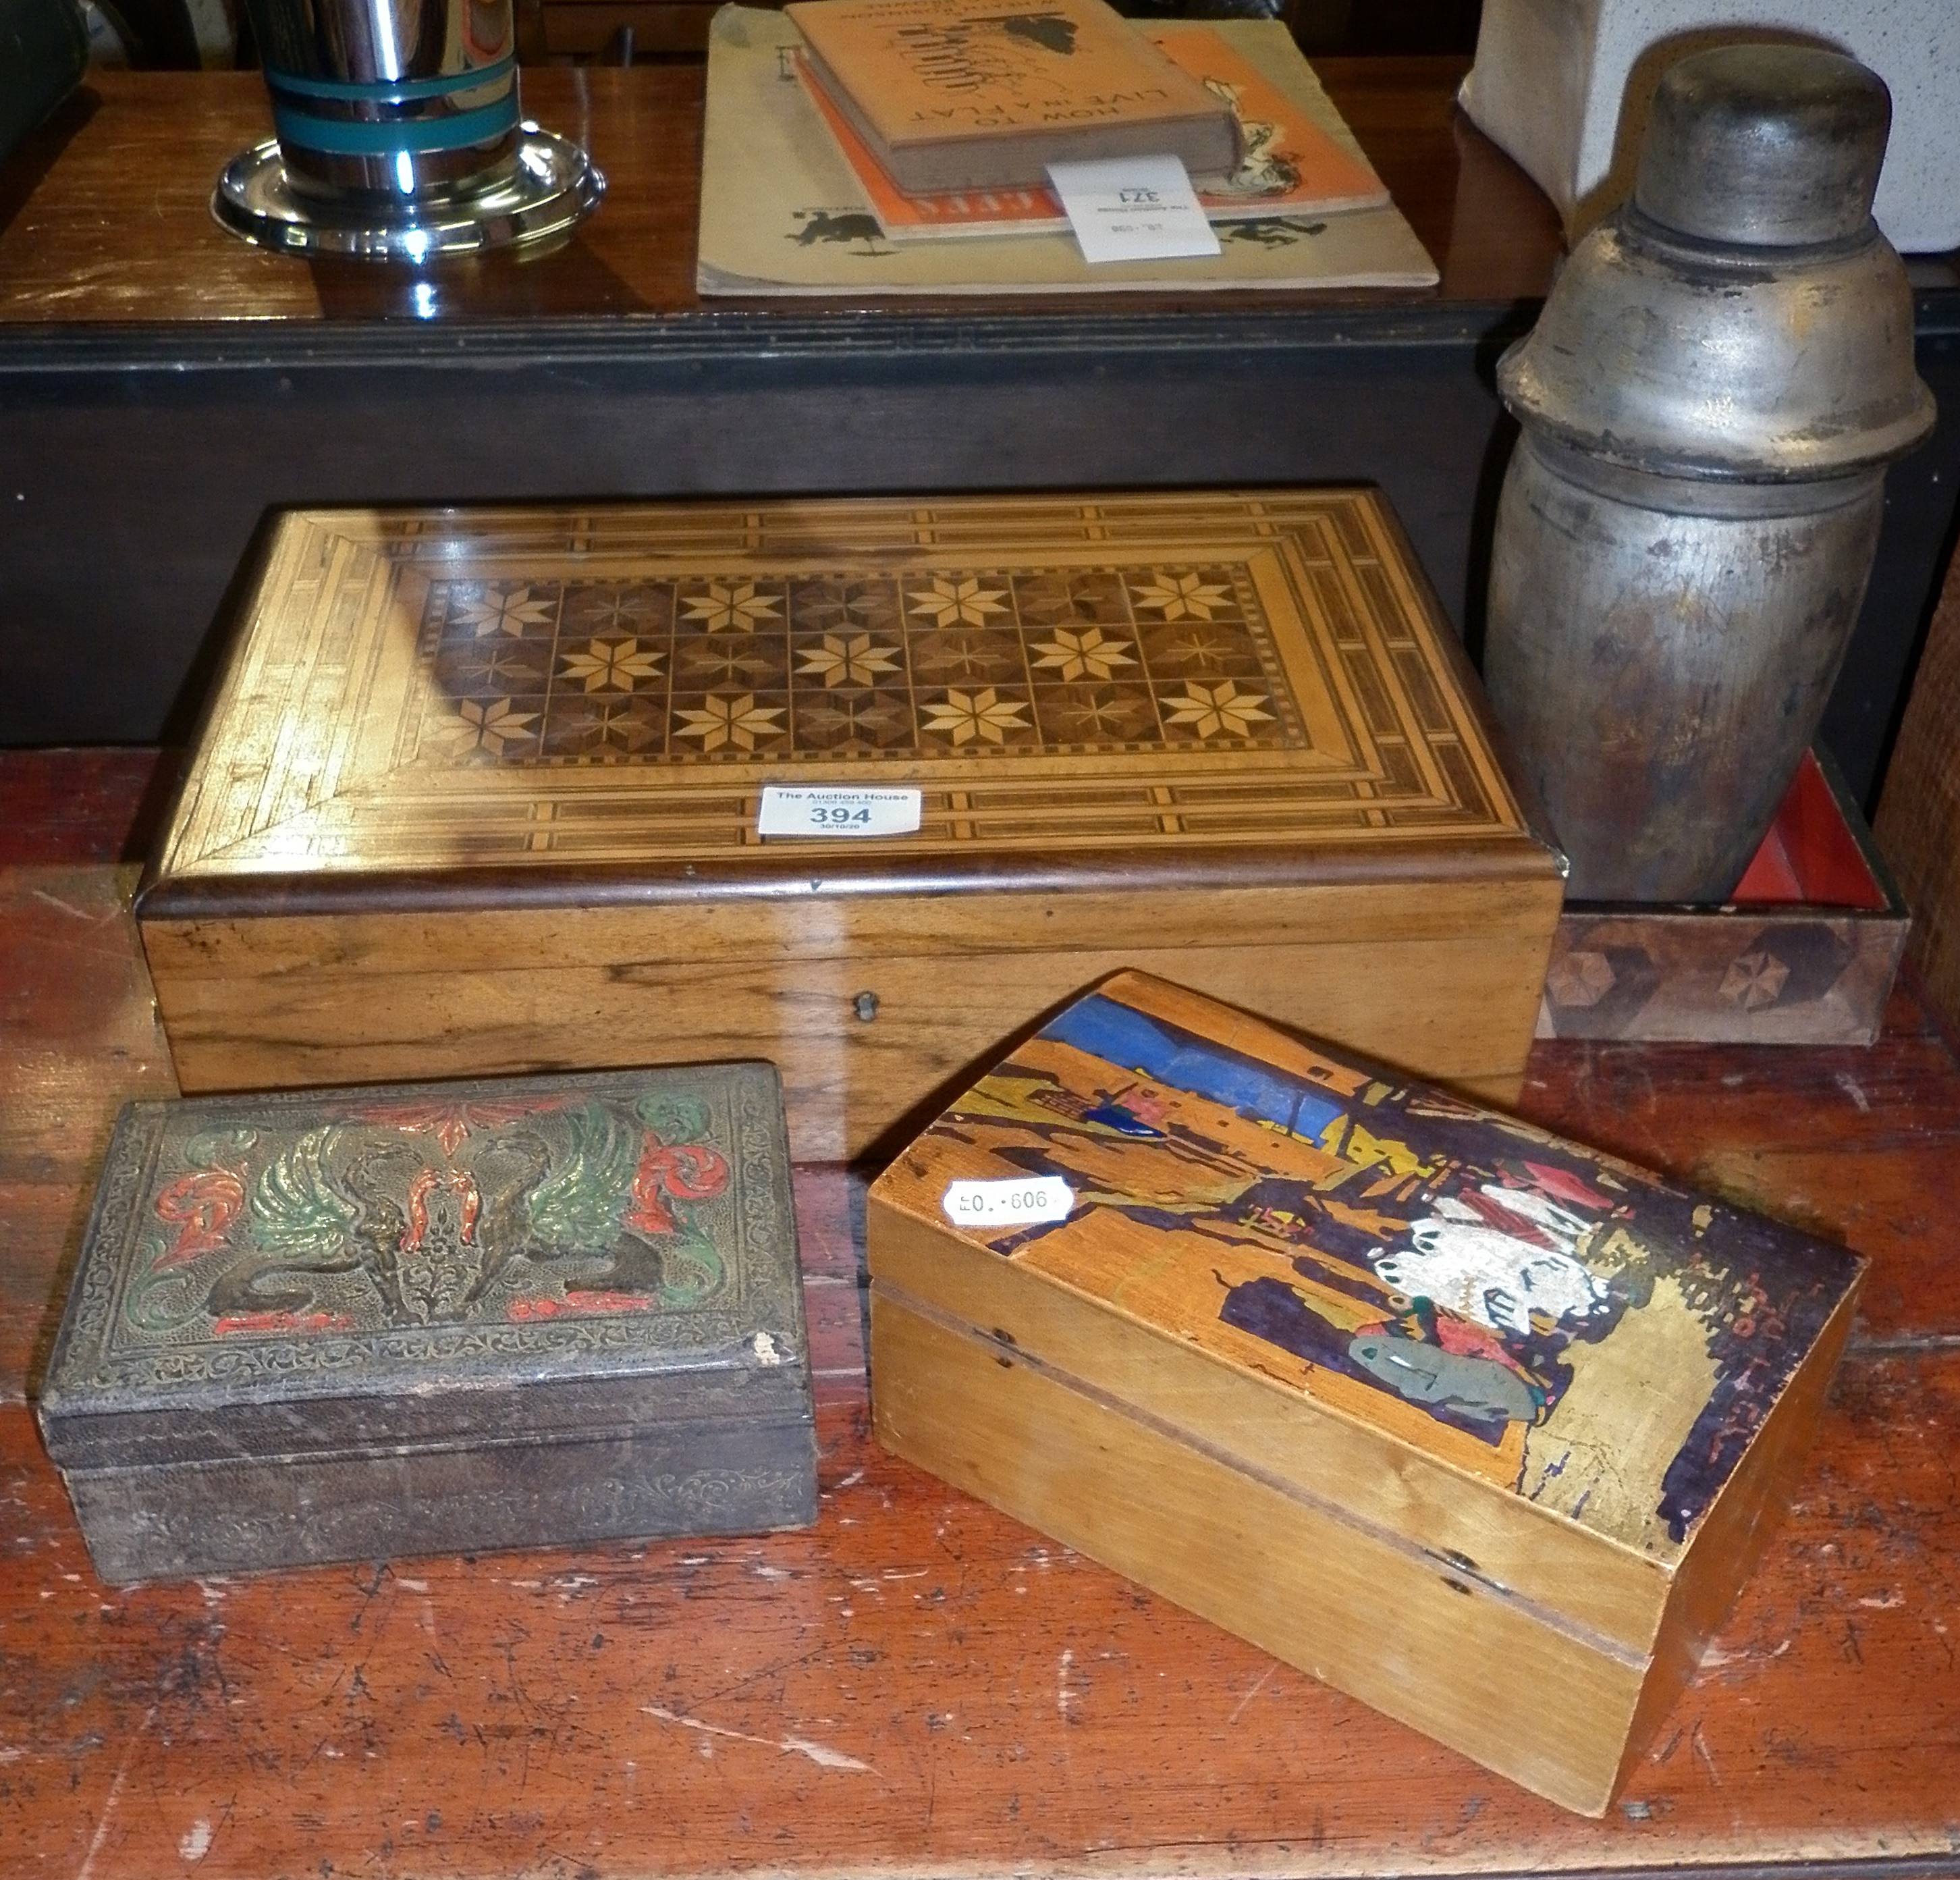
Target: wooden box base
874 1014
1805 953
1404 1628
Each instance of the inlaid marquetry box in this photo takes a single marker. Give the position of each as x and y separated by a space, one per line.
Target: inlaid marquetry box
1478 1425
1804 953
355 1324
478 793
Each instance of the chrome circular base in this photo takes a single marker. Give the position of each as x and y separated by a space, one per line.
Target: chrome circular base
551 184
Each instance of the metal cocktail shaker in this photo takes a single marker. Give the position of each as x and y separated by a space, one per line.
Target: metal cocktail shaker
1708 403
400 135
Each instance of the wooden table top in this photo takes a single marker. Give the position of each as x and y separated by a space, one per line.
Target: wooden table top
104 214
919 1685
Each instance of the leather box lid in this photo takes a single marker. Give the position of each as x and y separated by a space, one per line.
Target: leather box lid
1549 1327
343 1270
431 708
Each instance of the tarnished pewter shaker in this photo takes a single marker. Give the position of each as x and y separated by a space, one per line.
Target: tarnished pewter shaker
1708 403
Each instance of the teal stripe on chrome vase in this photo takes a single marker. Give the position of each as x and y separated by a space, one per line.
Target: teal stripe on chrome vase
389 91
347 137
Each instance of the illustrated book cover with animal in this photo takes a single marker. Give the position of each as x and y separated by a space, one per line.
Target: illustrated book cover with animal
1287 167
954 94
783 212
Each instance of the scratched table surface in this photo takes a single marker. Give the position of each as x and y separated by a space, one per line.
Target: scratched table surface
919 1685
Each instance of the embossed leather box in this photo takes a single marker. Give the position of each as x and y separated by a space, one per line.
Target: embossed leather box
480 793
1480 1426
436 1318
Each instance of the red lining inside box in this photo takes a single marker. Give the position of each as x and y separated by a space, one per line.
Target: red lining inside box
1810 855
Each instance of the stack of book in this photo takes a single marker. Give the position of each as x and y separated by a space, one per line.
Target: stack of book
814 181
948 112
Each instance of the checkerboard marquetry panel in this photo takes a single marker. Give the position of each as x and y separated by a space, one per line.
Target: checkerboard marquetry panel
722 668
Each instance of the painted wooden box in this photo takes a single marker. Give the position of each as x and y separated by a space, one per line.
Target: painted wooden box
1481 1427
479 795
436 1318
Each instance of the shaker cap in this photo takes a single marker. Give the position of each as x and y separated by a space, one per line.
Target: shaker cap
1745 319
1767 146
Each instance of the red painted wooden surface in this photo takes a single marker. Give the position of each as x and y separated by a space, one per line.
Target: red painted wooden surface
1810 853
919 1685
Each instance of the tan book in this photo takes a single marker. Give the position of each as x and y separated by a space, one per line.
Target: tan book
1291 167
968 94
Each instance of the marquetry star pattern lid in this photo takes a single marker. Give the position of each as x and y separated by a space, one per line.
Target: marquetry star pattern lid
510 690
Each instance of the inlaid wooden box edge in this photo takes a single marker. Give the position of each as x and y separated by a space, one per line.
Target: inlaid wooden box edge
1804 954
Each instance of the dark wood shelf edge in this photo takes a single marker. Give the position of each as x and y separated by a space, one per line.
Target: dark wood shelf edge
763 338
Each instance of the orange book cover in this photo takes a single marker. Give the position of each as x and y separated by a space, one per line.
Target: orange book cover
1290 165
951 94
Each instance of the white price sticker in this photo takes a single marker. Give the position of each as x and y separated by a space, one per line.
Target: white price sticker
1132 209
836 811
1009 1203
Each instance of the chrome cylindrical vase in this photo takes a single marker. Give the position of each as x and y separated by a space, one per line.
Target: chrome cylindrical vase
1707 405
399 135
